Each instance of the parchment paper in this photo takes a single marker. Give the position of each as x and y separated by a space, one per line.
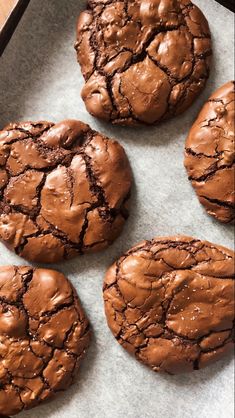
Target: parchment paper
40 79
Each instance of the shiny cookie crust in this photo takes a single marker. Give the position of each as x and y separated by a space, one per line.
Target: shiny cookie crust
143 61
44 334
210 154
170 302
63 190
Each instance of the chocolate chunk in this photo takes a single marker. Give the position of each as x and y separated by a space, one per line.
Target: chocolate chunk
44 334
170 302
143 61
210 156
63 190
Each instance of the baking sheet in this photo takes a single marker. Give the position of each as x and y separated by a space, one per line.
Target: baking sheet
40 79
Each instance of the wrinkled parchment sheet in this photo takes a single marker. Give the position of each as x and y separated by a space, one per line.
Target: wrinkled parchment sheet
40 79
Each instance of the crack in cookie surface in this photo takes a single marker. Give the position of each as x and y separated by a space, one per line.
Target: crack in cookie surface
210 156
143 61
63 189
170 302
44 334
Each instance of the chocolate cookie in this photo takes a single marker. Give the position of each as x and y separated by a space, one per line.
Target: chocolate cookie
210 157
44 334
170 302
143 61
63 189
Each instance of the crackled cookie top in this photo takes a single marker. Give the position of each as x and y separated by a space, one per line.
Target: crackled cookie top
63 189
43 336
143 60
210 154
170 302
